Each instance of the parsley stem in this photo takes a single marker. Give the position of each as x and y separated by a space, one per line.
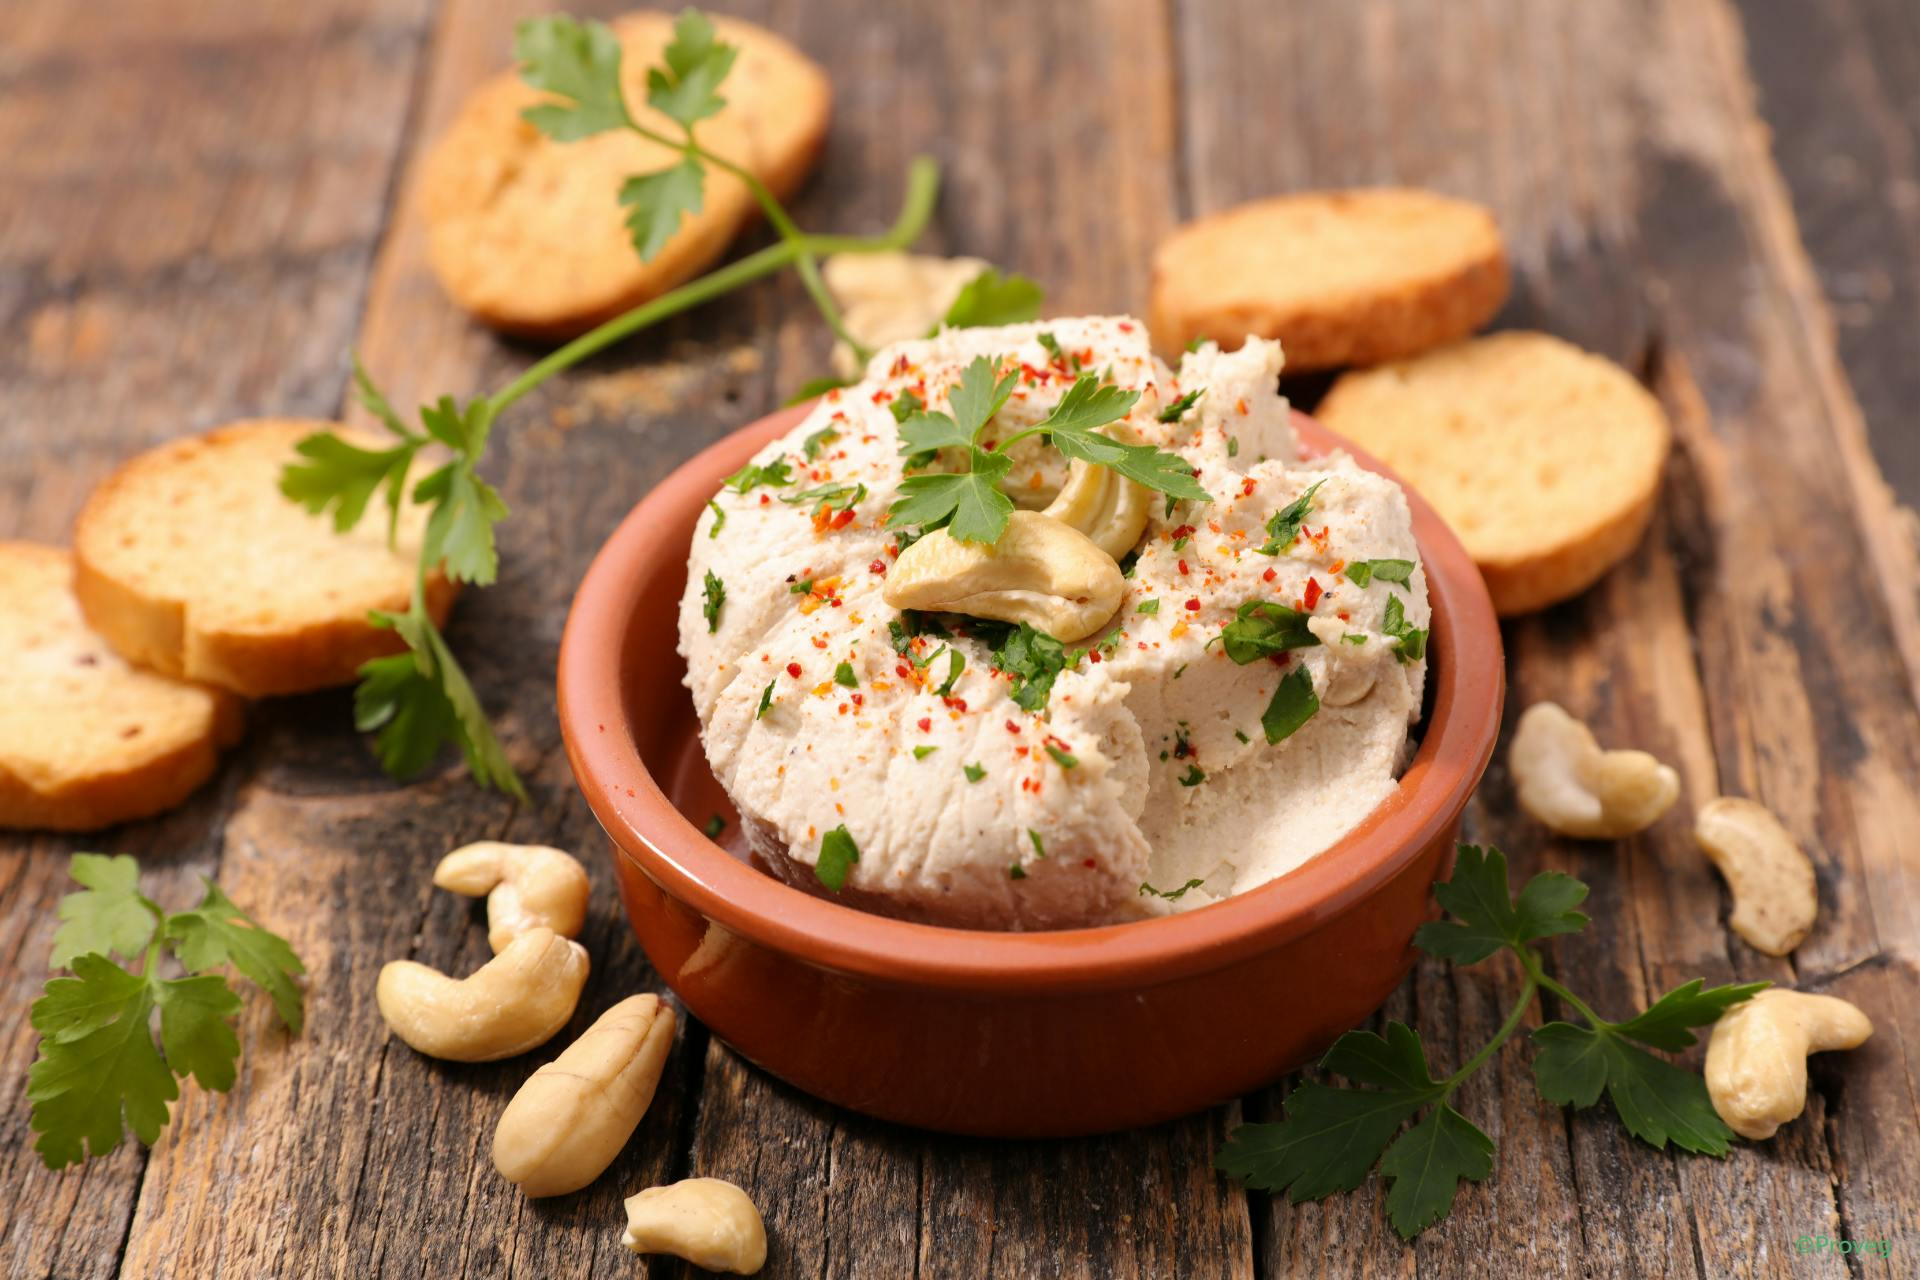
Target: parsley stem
1530 959
1500 1037
923 179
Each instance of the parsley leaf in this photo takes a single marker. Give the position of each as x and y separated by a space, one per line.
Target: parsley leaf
991 299
1657 1101
956 663
838 853
421 699
776 474
1410 643
1058 355
1194 777
108 916
1148 606
1034 659
923 751
719 519
578 62
655 203
974 772
1178 409
1088 405
1262 628
1427 1164
844 677
98 1070
1664 1024
715 593
1294 703
685 89
1485 916
766 701
834 497
1362 572
1171 895
810 447
1284 526
1065 759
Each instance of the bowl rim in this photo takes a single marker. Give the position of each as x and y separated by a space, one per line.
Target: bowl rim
1465 666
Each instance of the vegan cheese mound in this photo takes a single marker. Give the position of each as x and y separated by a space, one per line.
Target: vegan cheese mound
1163 768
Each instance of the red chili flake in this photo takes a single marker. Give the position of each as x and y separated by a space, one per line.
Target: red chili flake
878 566
859 699
764 499
819 642
1089 864
1094 656
926 724
843 708
1342 615
1012 727
1268 576
1184 531
1313 594
834 603
1126 326
1240 407
1021 752
956 704
1183 566
793 669
903 671
1246 487
844 519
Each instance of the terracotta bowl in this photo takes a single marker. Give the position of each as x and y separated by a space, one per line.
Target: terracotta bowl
1024 1035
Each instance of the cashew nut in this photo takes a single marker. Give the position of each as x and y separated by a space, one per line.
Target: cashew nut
1106 506
1774 898
1351 671
570 1120
890 297
1041 572
709 1222
1566 781
528 886
1757 1057
512 1003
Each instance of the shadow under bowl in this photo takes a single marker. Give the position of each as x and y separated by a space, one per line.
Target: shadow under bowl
1008 1034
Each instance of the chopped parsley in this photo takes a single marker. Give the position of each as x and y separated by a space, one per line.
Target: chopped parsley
1039 849
810 448
1284 527
1016 872
775 475
1178 409
1294 703
844 677
1034 659
922 752
1197 341
801 588
1243 737
1171 895
715 825
838 853
1362 572
715 592
834 497
956 663
719 519
766 701
1129 562
903 629
1062 358
1195 776
1233 446
905 405
1064 759
1262 628
974 772
1148 606
1355 637
1410 643
1180 543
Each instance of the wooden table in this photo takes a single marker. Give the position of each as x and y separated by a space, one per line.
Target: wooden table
206 206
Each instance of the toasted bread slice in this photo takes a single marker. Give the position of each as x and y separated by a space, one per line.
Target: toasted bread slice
85 739
529 234
1545 460
189 560
1339 277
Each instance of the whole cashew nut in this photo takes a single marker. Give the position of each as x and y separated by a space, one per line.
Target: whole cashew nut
512 1003
709 1222
1351 672
570 1119
528 886
1565 780
1041 572
1774 894
1106 506
1757 1057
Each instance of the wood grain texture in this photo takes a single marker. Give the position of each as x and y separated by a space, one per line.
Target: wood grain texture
221 260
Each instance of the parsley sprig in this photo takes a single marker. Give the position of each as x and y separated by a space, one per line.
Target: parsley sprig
1332 1136
969 504
99 1070
420 700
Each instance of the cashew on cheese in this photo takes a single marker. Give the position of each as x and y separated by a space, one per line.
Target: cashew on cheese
1041 572
709 1222
1772 881
1103 504
513 1003
1564 779
528 886
571 1119
1757 1056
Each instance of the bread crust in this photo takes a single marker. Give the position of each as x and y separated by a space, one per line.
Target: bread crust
175 551
1545 459
1339 277
86 741
527 234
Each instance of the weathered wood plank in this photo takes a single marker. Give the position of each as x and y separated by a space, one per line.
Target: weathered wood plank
193 199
